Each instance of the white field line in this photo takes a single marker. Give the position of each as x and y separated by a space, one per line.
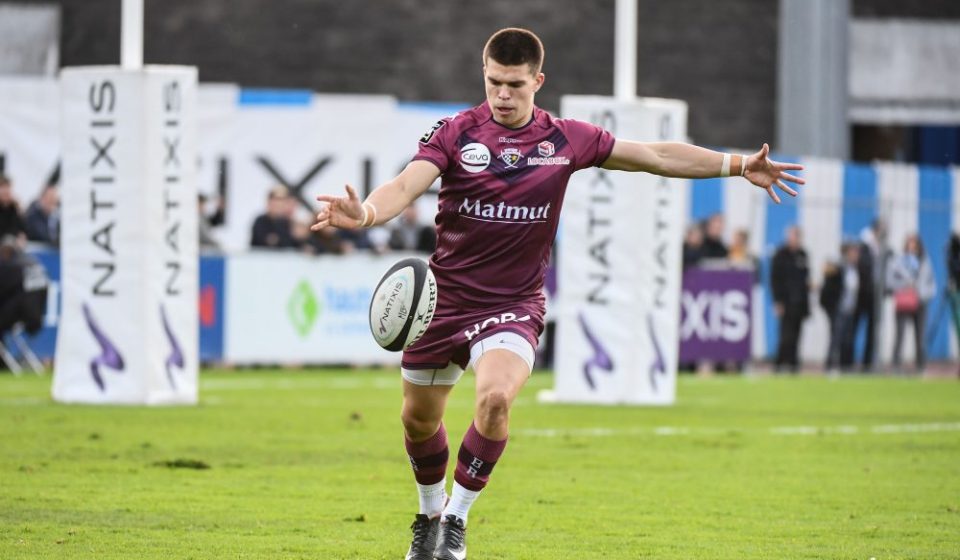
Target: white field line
214 384
846 430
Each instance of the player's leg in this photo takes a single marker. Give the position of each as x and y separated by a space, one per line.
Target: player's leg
425 439
502 363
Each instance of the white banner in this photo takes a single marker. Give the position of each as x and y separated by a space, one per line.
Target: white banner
128 330
313 310
620 265
249 142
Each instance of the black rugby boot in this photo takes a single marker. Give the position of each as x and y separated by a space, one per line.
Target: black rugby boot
452 539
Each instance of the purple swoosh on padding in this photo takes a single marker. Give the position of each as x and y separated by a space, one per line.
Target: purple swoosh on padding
658 366
600 358
109 355
175 359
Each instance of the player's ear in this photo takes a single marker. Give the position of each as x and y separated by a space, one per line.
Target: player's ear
539 82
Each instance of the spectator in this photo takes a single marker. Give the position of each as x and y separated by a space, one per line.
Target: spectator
713 246
692 246
740 255
326 241
408 234
274 228
953 262
42 218
790 284
379 240
910 278
874 255
838 297
11 220
23 288
953 286
354 240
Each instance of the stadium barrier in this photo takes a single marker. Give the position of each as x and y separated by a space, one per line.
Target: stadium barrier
717 323
268 308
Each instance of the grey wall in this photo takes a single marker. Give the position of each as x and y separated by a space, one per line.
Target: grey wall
719 56
720 59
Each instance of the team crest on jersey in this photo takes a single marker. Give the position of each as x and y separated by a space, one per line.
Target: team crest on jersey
433 130
546 148
510 156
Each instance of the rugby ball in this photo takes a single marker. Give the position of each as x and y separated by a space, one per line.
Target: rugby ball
403 304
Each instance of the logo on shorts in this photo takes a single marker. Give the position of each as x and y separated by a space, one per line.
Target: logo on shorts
471 333
546 148
474 157
510 156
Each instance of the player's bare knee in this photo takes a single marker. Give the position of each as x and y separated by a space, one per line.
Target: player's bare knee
493 407
418 427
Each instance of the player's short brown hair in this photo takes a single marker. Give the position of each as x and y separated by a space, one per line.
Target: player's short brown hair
513 46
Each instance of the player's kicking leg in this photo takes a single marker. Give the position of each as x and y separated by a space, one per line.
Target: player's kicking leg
502 364
426 443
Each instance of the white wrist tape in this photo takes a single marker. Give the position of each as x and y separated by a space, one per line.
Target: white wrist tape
373 214
363 220
725 166
743 165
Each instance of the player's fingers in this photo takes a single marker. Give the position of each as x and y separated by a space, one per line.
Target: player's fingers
788 166
793 178
773 194
352 193
328 198
319 225
783 187
765 150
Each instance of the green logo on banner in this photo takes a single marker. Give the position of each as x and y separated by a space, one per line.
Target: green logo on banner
303 308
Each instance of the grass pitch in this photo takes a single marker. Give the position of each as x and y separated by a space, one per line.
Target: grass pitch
311 465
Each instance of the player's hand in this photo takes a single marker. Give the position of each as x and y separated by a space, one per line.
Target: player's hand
767 174
343 212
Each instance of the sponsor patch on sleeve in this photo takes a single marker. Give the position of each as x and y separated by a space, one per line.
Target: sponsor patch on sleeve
433 130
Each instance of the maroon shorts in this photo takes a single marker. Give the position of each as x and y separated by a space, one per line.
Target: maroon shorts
453 331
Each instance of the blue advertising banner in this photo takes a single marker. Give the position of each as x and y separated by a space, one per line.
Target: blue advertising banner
212 282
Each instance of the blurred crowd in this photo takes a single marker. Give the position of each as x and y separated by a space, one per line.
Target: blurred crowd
279 227
282 227
852 290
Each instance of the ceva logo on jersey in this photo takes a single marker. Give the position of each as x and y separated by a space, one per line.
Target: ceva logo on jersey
474 157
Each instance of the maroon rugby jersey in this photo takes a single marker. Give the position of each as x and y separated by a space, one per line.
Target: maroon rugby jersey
500 198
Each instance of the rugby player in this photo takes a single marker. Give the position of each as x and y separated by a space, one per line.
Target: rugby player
504 166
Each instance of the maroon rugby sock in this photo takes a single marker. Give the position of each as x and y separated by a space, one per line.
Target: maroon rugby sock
478 455
429 458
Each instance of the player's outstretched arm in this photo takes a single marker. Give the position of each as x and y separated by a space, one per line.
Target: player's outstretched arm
383 204
675 159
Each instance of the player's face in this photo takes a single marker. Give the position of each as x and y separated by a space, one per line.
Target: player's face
510 91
